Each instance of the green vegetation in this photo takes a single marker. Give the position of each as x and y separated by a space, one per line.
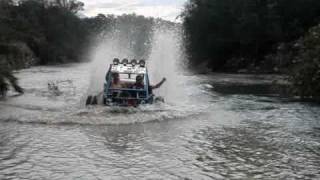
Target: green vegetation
257 36
305 73
236 34
51 29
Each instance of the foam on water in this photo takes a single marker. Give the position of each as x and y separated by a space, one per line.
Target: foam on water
95 115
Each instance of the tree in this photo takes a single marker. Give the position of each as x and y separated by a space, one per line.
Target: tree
70 5
224 32
305 76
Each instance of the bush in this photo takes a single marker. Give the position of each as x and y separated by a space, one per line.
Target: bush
240 33
305 75
51 29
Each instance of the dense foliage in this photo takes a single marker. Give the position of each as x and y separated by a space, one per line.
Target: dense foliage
234 34
50 28
306 72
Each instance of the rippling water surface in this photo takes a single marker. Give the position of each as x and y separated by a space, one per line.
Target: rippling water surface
211 135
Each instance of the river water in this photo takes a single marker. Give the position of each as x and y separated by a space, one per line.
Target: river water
215 135
217 126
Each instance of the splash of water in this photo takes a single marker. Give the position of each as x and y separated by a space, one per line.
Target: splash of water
107 49
164 60
119 42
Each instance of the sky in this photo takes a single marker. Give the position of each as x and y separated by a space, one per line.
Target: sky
165 9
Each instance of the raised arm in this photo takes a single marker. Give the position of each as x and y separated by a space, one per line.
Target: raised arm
159 84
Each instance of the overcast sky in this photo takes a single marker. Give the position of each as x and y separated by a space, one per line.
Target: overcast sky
166 9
